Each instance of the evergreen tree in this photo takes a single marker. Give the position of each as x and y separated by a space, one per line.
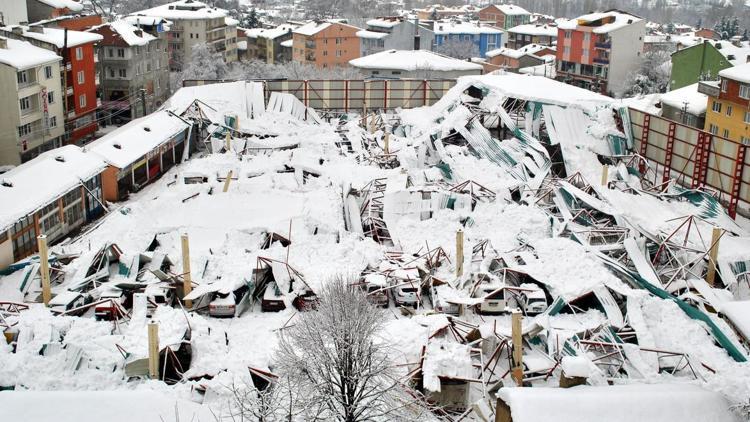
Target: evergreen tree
251 20
745 36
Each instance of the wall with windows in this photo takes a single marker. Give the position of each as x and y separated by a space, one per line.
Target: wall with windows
729 114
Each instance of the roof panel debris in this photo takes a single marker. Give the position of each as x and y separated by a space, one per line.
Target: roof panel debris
510 231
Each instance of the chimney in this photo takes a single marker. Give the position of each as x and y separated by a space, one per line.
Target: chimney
39 29
417 38
747 59
3 43
18 30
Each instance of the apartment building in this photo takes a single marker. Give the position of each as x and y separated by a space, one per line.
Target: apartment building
704 60
437 12
505 16
512 60
265 44
192 23
31 97
325 44
523 35
483 38
13 12
598 50
78 74
394 33
728 108
133 69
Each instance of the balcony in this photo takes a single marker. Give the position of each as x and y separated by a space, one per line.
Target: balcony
601 60
710 88
603 45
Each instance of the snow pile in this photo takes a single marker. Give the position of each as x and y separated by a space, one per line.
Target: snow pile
445 360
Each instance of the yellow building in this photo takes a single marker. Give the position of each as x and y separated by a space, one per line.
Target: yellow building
728 113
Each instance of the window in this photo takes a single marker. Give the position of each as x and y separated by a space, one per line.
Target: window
566 50
23 77
586 37
121 52
81 77
713 128
191 35
24 130
729 109
25 104
53 121
122 73
48 72
79 53
338 40
567 34
51 97
338 53
747 117
745 91
110 52
82 100
325 53
716 107
744 140
585 52
395 72
111 73
725 133
723 85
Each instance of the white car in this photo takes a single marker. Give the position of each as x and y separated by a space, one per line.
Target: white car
534 302
222 306
494 299
438 301
406 295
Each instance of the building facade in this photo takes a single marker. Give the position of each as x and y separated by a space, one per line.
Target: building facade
394 34
505 16
728 109
78 73
31 97
133 69
482 38
512 60
13 12
325 44
193 23
413 64
46 9
523 35
597 51
54 194
703 61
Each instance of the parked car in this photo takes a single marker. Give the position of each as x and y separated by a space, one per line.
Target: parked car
406 295
306 301
109 310
438 301
494 299
534 301
222 306
67 301
273 300
376 289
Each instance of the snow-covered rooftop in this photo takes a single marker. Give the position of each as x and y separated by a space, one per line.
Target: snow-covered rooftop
410 60
280 30
130 34
603 22
371 34
529 49
56 36
312 28
383 23
36 183
142 19
443 28
128 143
739 73
538 30
185 9
72 5
687 96
23 55
511 9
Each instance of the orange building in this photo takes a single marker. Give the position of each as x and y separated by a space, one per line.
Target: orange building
325 44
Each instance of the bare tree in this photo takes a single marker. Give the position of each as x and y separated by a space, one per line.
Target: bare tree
337 365
459 49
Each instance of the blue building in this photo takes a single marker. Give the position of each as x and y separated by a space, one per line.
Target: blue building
450 34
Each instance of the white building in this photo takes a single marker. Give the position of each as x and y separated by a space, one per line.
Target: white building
13 12
193 23
408 64
31 98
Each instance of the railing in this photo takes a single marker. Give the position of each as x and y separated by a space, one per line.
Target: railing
694 157
603 45
601 60
709 88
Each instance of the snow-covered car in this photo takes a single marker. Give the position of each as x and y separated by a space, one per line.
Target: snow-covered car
306 301
494 299
273 300
222 306
439 302
67 301
406 295
534 301
375 287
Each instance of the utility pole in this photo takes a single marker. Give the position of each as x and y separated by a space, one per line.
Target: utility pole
187 285
459 253
153 351
143 101
44 268
517 339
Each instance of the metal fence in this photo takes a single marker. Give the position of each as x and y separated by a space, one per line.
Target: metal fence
694 157
356 94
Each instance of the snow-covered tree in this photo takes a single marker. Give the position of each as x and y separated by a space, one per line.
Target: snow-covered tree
205 64
652 76
460 49
250 20
338 364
